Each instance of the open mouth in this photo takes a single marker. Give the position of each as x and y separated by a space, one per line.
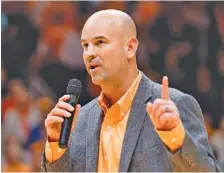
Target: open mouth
93 66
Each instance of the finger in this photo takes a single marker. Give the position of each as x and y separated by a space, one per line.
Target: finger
64 98
64 105
60 112
165 88
161 110
50 120
168 121
157 103
77 109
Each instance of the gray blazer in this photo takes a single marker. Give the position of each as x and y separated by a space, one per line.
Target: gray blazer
142 150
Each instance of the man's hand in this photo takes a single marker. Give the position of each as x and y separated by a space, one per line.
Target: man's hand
163 112
56 117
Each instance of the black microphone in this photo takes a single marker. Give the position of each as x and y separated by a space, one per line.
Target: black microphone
74 90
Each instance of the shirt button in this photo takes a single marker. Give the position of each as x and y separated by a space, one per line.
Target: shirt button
174 139
59 150
108 127
122 114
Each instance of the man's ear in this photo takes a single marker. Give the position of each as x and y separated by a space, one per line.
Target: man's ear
131 47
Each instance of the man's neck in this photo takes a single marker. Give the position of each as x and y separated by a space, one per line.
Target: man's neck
115 91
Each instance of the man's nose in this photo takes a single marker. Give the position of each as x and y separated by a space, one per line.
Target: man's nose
91 52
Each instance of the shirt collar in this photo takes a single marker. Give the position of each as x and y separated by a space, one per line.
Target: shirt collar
125 101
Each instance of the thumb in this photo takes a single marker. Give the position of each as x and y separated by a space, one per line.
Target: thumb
76 113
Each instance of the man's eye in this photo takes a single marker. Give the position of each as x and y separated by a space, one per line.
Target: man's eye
85 45
99 42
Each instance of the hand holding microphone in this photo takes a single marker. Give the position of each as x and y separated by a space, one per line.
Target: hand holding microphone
60 121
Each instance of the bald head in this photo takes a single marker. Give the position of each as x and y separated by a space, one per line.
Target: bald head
116 19
109 40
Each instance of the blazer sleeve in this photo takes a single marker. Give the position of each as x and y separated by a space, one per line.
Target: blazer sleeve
195 153
63 164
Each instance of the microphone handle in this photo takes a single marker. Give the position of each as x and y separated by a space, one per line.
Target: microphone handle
67 124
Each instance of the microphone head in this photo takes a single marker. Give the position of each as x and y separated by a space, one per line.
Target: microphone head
74 87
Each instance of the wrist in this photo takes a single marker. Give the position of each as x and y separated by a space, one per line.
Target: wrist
51 139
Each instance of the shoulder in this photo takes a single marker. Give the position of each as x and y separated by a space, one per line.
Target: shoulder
156 88
176 96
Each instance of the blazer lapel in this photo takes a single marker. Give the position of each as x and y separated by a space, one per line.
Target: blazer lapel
135 122
93 138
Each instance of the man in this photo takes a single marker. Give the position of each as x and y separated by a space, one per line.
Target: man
135 124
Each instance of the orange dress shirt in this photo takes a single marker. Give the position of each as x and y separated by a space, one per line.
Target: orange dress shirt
113 130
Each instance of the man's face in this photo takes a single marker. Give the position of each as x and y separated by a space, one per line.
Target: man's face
103 50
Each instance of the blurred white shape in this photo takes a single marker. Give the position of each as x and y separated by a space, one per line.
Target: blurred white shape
71 51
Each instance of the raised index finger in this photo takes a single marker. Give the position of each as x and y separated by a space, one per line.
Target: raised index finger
165 88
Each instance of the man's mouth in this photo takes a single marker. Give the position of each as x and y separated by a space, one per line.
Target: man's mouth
93 66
